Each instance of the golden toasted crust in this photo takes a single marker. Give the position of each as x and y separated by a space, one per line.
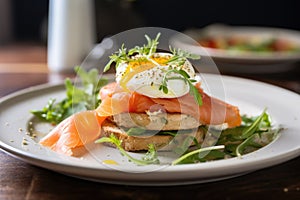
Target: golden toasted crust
156 121
134 143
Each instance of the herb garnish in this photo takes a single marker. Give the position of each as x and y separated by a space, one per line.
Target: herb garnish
178 59
77 98
145 52
149 158
183 76
117 57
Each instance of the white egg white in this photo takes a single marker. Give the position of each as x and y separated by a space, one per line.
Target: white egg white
148 82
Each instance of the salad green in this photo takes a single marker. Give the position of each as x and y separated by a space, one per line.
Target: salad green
253 134
85 97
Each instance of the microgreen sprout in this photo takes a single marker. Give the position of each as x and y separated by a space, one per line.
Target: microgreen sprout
145 52
180 57
149 158
185 77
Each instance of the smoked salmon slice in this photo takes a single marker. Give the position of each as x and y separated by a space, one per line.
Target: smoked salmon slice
74 132
85 127
213 111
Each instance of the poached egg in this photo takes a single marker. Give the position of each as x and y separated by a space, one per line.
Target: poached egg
146 75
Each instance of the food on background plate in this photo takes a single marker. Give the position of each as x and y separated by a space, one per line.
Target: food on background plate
249 44
156 103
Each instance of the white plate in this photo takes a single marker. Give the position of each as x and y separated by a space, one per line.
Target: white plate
242 61
251 96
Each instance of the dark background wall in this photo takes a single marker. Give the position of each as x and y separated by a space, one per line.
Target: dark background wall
28 18
190 13
113 16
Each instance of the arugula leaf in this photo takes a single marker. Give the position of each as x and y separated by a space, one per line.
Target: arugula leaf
209 156
237 141
149 158
232 142
258 134
250 130
77 98
254 133
197 151
256 141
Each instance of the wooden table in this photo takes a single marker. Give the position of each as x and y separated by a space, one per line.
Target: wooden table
19 180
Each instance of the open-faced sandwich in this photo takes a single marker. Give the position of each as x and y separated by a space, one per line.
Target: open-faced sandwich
157 95
156 99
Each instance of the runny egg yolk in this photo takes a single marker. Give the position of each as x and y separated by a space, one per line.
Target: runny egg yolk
138 66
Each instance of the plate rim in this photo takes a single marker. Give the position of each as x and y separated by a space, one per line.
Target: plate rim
180 168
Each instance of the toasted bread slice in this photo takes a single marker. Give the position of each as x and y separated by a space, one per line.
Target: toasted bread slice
140 143
156 121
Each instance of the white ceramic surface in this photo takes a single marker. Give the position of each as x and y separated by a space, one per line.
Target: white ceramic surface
251 97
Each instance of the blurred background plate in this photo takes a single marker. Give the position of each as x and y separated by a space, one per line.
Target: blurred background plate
244 49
